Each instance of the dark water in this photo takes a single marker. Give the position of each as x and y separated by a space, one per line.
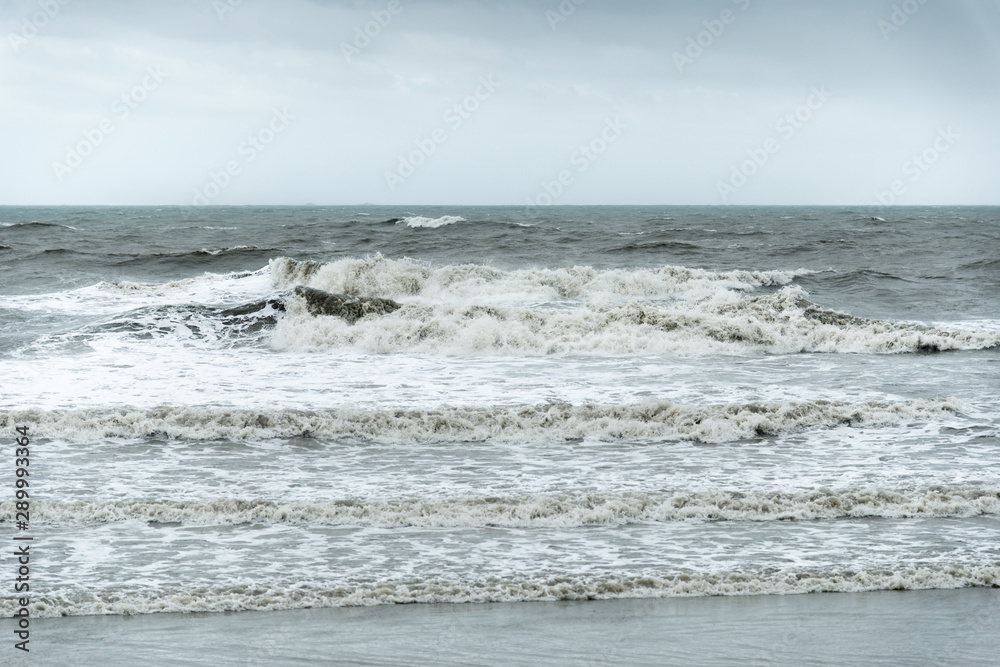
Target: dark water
915 263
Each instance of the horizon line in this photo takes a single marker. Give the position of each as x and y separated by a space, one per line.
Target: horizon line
521 206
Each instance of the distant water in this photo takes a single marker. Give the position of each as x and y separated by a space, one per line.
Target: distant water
572 403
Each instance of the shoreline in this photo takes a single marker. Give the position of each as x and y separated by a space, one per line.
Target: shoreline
879 628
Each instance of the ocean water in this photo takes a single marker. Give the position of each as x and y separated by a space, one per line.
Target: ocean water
573 403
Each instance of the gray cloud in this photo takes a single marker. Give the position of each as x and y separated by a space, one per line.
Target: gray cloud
686 130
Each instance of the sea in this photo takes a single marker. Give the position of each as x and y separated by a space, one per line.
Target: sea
589 435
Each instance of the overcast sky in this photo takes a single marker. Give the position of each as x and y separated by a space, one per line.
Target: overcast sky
142 102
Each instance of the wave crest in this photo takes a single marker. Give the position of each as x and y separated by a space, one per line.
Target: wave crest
377 276
559 510
652 420
781 323
418 221
291 594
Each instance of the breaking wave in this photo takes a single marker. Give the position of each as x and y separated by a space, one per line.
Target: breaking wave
236 249
781 323
558 510
652 420
277 594
35 225
126 286
431 223
380 277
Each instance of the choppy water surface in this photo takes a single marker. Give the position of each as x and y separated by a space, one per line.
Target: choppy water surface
571 403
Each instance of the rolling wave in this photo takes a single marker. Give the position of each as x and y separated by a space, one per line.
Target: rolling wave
418 221
557 510
35 225
652 420
201 253
380 277
126 286
275 594
781 323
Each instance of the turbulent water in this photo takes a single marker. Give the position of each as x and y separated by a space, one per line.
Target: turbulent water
570 403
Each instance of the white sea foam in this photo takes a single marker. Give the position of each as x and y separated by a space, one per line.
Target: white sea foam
122 296
36 223
780 323
432 223
651 420
380 277
212 281
558 510
222 251
276 595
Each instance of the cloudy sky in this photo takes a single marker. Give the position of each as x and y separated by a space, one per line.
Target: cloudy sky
496 101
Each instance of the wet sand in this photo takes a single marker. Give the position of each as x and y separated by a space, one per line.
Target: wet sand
939 627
